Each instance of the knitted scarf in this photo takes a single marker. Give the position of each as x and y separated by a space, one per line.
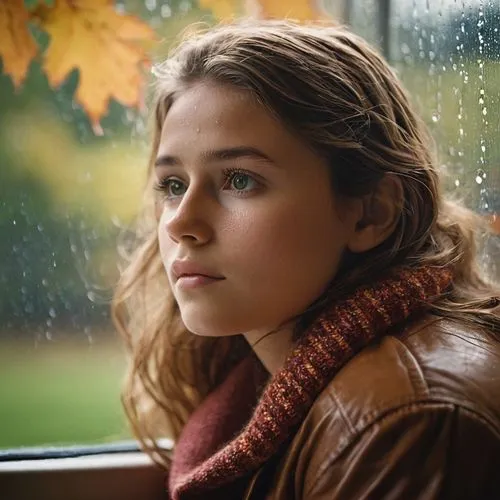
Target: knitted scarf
250 435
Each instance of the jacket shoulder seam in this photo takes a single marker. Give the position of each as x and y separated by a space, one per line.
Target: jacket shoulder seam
403 410
416 375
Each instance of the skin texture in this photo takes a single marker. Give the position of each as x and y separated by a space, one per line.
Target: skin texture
273 230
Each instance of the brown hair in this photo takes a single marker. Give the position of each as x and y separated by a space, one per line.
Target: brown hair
338 95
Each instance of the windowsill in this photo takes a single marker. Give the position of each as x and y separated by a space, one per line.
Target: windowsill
104 461
104 473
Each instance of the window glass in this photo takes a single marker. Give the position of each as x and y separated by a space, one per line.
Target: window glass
68 191
448 54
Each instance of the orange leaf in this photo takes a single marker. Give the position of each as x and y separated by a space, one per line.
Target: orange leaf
221 9
106 47
17 47
301 10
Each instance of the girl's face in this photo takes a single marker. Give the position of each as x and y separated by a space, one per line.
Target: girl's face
250 234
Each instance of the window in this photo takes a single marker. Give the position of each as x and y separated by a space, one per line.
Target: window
448 55
67 197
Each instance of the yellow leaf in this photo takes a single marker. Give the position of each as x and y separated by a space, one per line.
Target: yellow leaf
302 10
106 47
221 9
17 47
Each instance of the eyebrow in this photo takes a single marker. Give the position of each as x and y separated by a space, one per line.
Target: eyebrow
217 155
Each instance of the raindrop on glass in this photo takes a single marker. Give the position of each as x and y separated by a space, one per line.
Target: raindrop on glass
166 11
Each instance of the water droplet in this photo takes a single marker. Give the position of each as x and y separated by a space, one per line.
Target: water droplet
479 179
39 227
45 282
435 117
457 182
52 312
84 177
155 70
405 49
485 112
120 7
166 11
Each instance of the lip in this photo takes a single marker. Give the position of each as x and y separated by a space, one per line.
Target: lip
192 272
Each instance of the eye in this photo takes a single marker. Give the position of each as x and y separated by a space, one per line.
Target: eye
171 187
239 180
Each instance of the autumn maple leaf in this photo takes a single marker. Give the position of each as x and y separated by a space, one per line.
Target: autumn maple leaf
106 47
297 9
301 10
222 9
17 47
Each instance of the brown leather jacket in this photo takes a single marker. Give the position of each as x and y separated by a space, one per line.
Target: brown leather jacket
416 416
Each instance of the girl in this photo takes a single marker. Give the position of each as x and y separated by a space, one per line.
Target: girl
305 311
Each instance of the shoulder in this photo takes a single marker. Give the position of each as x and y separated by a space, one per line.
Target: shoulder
433 360
427 396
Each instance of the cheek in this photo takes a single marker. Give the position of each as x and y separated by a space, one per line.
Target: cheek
290 245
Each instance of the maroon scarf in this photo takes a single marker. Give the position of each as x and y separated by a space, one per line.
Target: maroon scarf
232 434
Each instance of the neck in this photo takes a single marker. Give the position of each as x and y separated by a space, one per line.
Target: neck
272 348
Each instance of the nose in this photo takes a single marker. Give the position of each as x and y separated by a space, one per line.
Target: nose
190 221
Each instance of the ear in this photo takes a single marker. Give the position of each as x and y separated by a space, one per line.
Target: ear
380 215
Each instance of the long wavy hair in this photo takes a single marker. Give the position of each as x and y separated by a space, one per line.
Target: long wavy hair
339 96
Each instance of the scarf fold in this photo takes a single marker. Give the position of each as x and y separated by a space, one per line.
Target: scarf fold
209 456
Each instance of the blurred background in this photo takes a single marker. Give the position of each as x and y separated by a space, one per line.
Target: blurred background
67 196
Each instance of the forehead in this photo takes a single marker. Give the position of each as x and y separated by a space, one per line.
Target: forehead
221 116
209 100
